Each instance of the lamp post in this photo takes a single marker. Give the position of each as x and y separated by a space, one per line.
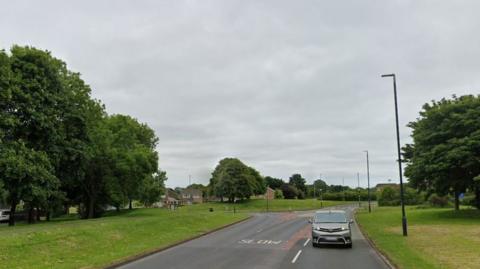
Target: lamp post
404 218
321 199
368 184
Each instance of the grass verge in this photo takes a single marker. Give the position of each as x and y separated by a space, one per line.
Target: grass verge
437 238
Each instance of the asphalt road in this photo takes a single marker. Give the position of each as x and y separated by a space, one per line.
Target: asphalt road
273 240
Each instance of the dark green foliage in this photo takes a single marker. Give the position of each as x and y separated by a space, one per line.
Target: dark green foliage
274 183
446 144
289 191
438 201
299 182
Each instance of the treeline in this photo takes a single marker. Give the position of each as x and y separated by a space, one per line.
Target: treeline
59 148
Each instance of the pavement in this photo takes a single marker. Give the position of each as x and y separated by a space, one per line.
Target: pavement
269 240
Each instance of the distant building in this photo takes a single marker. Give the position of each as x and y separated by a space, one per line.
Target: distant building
191 196
269 194
171 199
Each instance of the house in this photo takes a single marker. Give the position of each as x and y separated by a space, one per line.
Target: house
191 196
171 199
269 194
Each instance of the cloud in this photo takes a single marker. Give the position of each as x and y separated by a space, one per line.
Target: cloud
286 86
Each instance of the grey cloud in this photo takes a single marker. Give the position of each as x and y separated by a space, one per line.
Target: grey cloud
285 86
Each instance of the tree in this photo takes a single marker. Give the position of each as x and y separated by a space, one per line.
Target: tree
274 183
152 188
289 191
233 179
28 176
299 182
446 144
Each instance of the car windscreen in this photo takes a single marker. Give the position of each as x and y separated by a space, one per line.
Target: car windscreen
330 217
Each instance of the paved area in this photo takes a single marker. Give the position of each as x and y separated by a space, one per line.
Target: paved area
273 240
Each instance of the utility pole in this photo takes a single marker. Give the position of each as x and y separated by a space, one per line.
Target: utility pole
358 188
368 184
189 180
343 187
404 217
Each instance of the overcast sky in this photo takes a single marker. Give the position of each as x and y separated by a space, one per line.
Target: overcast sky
286 86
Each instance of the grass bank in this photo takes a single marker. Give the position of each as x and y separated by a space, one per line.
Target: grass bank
72 243
437 238
99 242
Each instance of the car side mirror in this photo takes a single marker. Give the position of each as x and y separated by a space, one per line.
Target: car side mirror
351 221
310 221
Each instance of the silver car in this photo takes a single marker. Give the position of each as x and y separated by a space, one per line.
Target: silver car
331 227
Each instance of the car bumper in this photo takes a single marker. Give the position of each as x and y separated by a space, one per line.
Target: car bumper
342 238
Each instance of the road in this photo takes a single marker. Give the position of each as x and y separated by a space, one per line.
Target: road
272 240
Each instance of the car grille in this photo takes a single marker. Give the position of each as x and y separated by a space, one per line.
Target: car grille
330 230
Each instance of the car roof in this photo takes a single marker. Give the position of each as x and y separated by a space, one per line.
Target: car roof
330 211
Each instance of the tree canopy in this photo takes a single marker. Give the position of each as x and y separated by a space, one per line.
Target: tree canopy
59 147
444 155
233 179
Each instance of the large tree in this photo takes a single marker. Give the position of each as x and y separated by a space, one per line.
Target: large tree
299 182
134 156
444 156
233 179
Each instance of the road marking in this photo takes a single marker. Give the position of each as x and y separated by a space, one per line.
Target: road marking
260 242
296 256
306 242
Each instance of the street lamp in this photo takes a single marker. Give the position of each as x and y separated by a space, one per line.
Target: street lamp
368 184
404 218
321 198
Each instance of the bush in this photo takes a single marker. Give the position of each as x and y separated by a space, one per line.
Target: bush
289 191
278 194
438 201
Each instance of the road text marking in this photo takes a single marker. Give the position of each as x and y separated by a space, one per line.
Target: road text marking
296 256
306 242
260 242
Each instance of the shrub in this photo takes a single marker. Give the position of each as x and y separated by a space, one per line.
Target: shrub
278 194
438 201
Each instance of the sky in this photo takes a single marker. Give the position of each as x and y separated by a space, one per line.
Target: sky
285 86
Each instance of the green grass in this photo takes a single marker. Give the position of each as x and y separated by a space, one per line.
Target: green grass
98 242
437 238
276 205
71 243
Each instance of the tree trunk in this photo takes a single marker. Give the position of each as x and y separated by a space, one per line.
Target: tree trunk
477 197
130 204
47 215
457 201
37 215
30 215
13 207
91 206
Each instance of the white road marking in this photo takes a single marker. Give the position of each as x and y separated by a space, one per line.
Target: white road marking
306 242
260 242
296 256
